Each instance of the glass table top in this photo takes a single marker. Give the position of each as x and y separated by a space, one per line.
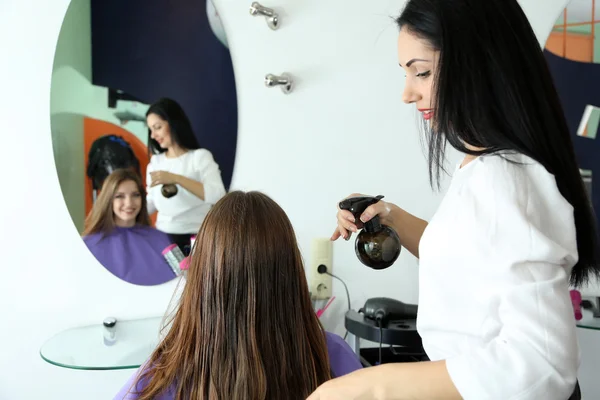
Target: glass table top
85 348
589 322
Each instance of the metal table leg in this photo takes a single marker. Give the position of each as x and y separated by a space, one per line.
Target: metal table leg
354 342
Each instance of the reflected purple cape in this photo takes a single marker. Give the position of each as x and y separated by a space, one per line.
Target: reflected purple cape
133 254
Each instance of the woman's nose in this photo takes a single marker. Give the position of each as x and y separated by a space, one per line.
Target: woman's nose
409 95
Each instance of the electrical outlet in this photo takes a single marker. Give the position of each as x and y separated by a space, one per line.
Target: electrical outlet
321 253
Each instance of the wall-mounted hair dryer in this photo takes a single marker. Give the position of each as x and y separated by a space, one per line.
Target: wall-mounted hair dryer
377 246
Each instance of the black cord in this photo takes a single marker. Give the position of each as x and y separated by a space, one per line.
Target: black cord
380 337
322 269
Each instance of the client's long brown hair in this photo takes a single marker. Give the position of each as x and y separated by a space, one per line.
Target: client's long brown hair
245 328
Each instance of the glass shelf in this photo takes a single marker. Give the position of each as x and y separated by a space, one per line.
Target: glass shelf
84 347
589 322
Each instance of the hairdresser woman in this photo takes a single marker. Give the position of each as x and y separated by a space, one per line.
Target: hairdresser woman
514 228
178 161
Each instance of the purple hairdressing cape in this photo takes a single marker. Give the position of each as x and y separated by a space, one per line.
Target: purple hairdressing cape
133 254
343 361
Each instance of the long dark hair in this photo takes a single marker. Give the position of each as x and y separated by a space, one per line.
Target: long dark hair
245 327
179 125
493 90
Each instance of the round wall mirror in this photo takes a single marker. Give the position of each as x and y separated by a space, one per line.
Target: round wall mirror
144 129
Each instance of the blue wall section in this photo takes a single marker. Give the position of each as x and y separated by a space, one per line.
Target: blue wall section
578 85
156 48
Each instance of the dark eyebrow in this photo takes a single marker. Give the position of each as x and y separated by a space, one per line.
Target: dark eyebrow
408 64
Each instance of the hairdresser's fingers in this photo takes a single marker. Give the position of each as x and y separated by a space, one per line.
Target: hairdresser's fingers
346 216
380 208
344 229
341 231
346 221
336 235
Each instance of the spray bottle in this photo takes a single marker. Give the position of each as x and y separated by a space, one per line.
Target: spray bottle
169 190
377 246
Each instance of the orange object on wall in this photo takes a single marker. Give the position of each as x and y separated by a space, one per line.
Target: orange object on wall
94 129
579 47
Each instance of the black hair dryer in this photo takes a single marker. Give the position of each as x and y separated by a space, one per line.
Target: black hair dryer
384 309
377 246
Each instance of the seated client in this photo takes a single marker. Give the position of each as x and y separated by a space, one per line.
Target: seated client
119 234
244 328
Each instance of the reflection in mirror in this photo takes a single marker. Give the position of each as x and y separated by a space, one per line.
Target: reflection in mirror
573 57
588 126
144 129
119 234
572 39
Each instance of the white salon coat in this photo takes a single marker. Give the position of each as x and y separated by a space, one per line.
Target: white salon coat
184 212
494 274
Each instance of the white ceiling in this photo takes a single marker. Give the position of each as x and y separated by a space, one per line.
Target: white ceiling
580 11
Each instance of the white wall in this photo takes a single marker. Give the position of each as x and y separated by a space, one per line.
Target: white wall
344 129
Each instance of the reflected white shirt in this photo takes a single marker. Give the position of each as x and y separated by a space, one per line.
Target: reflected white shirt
184 212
